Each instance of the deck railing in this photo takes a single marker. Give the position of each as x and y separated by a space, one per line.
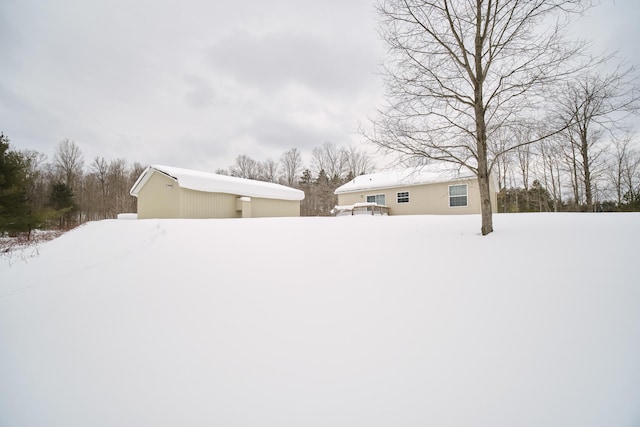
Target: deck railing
361 209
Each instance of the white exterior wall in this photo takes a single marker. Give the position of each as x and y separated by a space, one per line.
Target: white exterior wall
261 208
159 198
424 199
200 204
162 197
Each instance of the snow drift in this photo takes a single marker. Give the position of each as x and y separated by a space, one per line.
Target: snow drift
376 321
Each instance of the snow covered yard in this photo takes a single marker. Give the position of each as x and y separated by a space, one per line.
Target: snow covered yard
350 321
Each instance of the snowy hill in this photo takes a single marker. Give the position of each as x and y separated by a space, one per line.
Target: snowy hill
350 321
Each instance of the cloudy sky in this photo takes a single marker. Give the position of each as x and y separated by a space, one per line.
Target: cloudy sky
195 83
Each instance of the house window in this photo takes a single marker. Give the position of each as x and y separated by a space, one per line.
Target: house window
457 195
402 197
378 199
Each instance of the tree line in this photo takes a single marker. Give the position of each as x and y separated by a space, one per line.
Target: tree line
330 167
561 174
592 164
36 193
62 193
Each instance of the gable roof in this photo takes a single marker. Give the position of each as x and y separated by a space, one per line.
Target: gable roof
215 183
430 174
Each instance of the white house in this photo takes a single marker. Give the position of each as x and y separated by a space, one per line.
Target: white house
428 189
170 192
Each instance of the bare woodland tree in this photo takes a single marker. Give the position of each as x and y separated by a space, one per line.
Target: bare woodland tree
331 159
105 190
504 161
332 166
594 106
100 170
291 166
268 170
458 72
624 169
358 162
69 162
119 185
134 172
551 171
245 167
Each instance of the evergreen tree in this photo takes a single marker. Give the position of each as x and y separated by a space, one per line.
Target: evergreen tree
632 200
324 188
534 199
14 207
307 205
306 177
62 201
322 179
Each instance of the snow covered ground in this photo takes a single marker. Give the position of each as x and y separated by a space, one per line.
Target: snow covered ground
350 321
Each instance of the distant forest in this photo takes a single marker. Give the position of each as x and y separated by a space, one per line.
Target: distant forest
36 192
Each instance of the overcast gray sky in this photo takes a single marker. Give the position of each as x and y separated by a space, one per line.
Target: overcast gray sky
194 83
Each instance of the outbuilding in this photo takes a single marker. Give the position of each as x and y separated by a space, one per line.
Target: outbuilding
429 189
170 192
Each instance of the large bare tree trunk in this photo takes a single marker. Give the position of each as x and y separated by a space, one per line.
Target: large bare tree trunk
481 128
485 192
485 202
459 73
584 152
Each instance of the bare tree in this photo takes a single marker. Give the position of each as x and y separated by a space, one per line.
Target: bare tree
631 178
291 162
134 173
624 168
245 167
593 106
524 154
88 199
571 165
330 159
69 162
100 169
551 172
457 72
119 186
268 170
524 163
358 162
503 158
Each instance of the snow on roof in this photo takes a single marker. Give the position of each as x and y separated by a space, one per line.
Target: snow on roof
429 174
215 183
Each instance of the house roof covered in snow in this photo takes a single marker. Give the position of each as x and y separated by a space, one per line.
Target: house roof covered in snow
421 175
215 183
